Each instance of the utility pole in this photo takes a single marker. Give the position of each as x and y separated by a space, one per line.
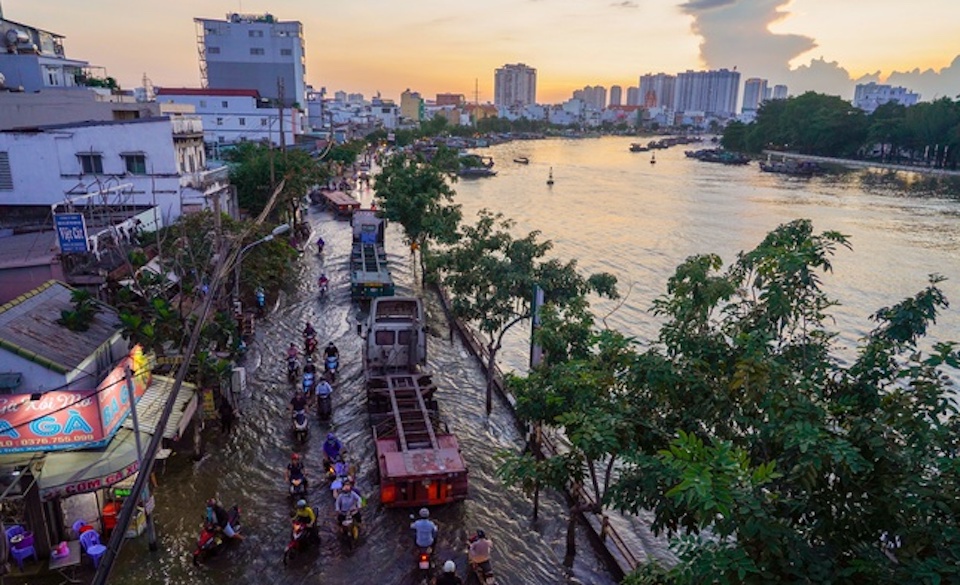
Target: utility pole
280 98
144 496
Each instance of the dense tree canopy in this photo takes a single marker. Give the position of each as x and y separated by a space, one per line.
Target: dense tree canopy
257 168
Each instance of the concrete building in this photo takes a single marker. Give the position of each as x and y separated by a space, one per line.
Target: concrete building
754 92
411 106
870 96
657 90
594 97
150 162
714 93
35 60
616 95
515 85
633 96
779 92
450 99
254 51
231 116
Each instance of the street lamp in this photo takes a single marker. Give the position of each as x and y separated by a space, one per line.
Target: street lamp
280 229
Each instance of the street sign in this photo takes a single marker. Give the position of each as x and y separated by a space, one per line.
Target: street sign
72 232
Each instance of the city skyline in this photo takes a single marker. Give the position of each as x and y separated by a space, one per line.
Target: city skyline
436 47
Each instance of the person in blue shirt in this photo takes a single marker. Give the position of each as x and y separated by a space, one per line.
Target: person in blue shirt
426 530
331 448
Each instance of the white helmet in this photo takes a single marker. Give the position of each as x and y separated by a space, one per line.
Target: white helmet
449 567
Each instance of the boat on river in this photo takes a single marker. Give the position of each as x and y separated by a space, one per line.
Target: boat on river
637 147
522 160
803 168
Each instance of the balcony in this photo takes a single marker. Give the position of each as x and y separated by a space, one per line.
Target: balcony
204 180
187 126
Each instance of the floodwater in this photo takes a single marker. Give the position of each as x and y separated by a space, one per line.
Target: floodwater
247 467
612 211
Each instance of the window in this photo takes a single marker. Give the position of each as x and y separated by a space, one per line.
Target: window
213 50
136 163
255 33
263 121
6 175
203 103
256 51
384 338
243 121
91 164
286 52
219 121
221 139
224 104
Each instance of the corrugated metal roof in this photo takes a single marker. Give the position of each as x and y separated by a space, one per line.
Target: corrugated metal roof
150 407
29 328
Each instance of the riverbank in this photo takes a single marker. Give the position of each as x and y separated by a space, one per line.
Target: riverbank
863 164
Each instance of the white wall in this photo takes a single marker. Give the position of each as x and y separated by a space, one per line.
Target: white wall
230 119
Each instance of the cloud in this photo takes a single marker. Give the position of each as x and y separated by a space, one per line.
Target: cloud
625 4
692 6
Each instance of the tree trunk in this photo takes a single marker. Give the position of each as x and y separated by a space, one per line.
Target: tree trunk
491 362
571 536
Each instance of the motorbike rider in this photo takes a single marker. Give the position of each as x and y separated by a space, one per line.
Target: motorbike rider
292 352
323 281
320 245
295 469
324 389
348 502
449 576
426 530
305 515
309 331
331 351
331 448
310 367
298 403
479 551
218 516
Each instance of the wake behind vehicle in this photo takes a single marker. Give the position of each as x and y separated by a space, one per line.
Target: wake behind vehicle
212 538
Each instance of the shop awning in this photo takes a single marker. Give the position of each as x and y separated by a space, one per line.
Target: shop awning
75 472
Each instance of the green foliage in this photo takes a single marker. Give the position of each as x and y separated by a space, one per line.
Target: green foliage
766 459
85 309
257 168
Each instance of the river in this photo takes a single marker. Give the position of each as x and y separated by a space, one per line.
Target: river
612 211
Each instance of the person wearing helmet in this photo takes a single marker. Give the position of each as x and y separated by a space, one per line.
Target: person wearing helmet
479 551
323 281
331 351
305 515
449 576
292 352
331 449
310 367
309 331
426 530
219 517
348 502
295 469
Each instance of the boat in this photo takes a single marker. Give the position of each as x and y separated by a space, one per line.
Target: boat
369 271
470 172
653 158
522 160
550 177
791 167
637 147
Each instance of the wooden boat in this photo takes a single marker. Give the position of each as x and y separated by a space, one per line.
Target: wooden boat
637 147
522 160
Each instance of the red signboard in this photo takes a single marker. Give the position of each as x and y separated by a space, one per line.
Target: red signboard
68 419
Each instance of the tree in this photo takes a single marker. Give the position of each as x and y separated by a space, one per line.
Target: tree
491 277
767 458
257 168
85 309
417 195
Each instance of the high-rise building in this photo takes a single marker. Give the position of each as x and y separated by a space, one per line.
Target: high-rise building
657 90
869 96
616 95
779 92
411 105
754 92
711 92
253 51
633 96
594 96
515 85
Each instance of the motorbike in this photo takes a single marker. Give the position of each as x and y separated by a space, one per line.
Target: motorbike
482 573
301 427
310 345
298 487
319 246
293 369
324 406
330 365
301 537
349 532
308 379
212 539
322 287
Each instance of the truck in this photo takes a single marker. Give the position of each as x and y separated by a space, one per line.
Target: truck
369 273
418 459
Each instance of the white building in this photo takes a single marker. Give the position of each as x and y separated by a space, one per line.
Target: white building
515 85
754 92
633 96
230 116
616 95
779 92
595 97
656 90
34 59
138 163
712 92
254 51
870 96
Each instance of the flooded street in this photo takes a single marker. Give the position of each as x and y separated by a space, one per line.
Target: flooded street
247 467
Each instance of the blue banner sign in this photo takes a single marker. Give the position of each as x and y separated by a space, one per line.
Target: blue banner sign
72 232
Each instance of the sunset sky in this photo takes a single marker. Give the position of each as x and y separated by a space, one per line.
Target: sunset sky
435 46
